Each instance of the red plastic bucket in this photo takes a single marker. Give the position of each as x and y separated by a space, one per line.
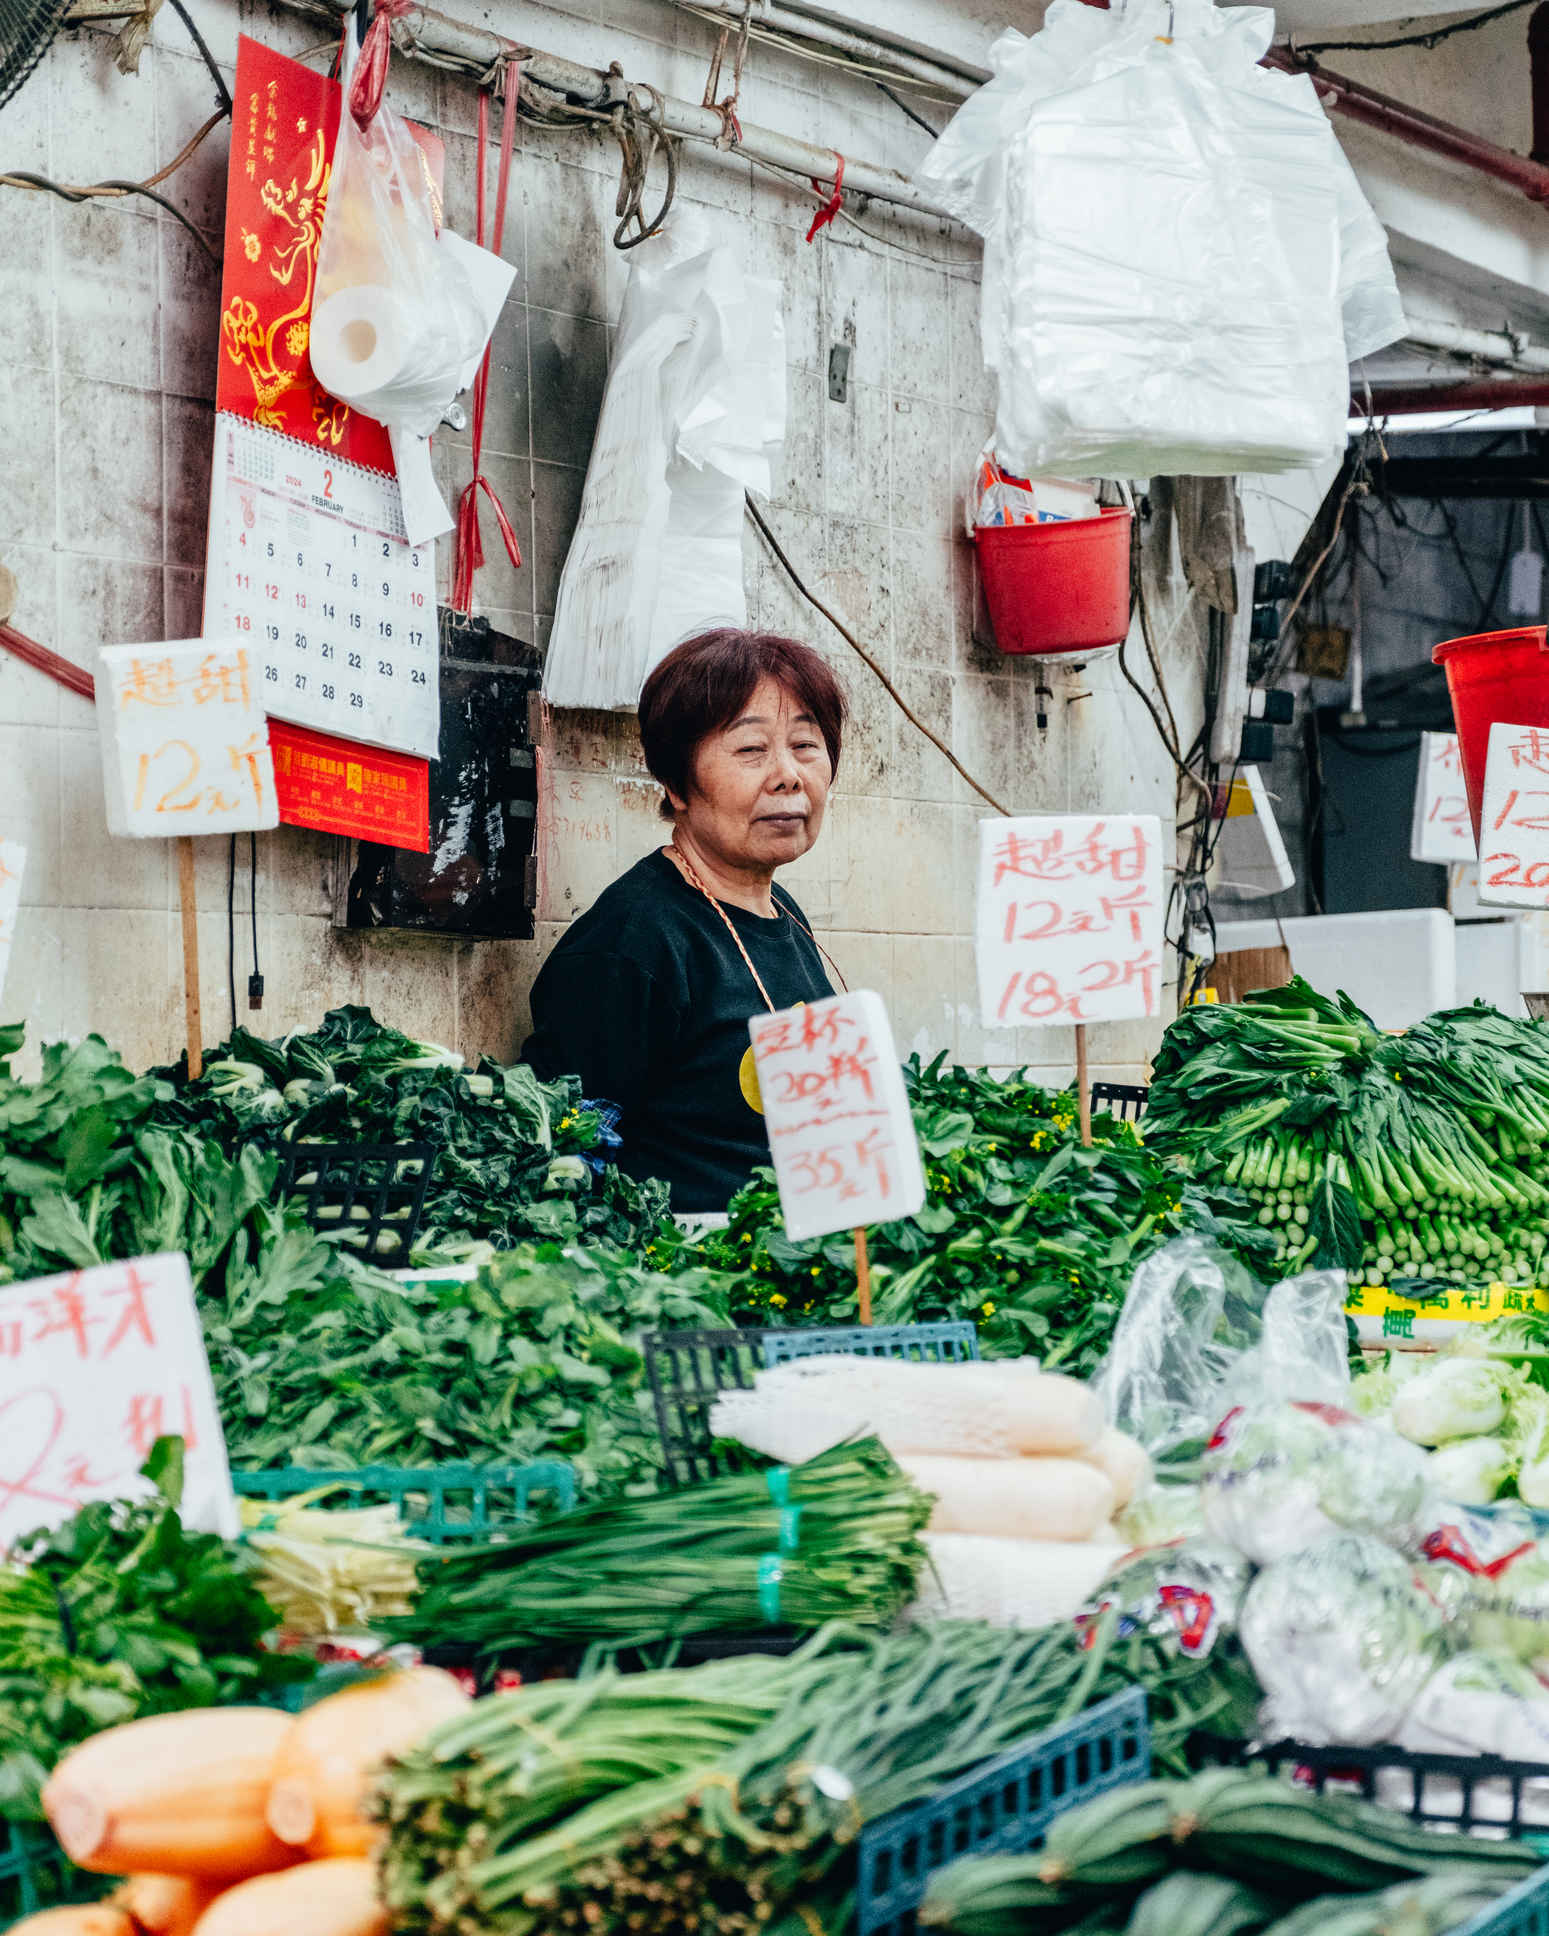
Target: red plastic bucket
1057 587
1494 676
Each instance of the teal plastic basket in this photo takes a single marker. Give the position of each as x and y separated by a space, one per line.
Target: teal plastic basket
444 1504
36 1874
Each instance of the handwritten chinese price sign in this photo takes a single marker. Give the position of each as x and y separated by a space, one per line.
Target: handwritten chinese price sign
839 1126
185 749
13 857
1442 829
1514 823
95 1366
1069 925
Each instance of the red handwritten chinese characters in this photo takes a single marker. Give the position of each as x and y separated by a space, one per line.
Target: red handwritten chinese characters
95 1366
1069 924
1514 823
1442 829
839 1126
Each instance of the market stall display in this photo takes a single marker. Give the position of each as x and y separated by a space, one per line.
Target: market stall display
1023 1230
1413 1156
516 1158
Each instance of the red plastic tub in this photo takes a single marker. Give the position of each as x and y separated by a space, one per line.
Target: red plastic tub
1058 587
1494 676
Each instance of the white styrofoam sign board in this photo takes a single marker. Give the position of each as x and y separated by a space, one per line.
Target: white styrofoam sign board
95 1366
1069 919
185 744
1514 825
13 858
1442 829
845 1152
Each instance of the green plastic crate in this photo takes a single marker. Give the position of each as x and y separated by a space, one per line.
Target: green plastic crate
444 1504
35 1874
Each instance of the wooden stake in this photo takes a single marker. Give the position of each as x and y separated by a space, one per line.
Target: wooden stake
192 1026
863 1274
1083 1086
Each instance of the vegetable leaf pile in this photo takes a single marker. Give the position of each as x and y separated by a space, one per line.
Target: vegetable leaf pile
517 1159
1023 1230
120 1613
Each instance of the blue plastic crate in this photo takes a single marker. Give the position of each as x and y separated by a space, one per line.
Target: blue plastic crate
1002 1808
689 1370
948 1341
35 1873
1523 1911
444 1504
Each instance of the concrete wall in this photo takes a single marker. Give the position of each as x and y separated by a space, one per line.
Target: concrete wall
108 336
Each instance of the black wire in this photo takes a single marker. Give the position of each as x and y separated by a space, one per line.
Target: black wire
231 927
904 107
205 55
27 180
252 892
1433 38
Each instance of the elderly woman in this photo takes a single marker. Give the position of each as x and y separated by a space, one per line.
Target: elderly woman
647 995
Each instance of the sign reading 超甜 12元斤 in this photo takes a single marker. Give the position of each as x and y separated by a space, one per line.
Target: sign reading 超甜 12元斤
1069 919
1514 819
185 747
840 1131
95 1366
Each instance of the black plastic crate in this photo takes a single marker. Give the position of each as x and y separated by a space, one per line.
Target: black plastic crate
374 1191
689 1370
1123 1099
1440 1791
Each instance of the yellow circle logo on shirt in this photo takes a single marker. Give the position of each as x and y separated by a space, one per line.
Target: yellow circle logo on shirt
747 1081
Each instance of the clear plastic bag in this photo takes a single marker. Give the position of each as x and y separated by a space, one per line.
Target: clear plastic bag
1179 262
1188 1593
403 308
1198 1335
1343 1637
1280 1476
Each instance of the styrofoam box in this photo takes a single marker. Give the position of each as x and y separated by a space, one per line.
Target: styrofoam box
1398 964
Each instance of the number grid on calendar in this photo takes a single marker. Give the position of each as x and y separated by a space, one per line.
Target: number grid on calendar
308 560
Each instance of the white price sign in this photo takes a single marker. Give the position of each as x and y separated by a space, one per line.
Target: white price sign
840 1131
95 1366
1069 919
185 745
1514 825
13 857
1442 829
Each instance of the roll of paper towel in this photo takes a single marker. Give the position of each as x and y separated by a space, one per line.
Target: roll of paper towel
360 341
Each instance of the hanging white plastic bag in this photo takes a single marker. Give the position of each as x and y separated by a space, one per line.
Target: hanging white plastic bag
403 308
1179 263
693 415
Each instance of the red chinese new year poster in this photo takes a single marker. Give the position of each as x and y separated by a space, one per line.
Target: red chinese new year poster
340 787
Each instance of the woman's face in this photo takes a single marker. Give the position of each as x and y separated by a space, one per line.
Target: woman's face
760 784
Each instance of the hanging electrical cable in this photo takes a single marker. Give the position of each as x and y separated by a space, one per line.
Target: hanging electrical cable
1431 38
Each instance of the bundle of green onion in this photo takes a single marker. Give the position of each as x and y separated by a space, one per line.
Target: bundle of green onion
837 1538
724 1799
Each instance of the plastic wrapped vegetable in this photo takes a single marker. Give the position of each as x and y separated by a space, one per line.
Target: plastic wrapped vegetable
1483 1702
1187 1593
1470 1471
1160 1514
1507 1605
1454 1398
1279 1477
1342 1637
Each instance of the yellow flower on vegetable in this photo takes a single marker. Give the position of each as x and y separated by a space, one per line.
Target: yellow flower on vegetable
776 1297
987 1308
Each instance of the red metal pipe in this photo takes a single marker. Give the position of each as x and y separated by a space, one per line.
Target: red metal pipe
1373 110
1472 393
1538 57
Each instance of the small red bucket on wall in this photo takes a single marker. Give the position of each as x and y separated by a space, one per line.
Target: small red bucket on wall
1057 587
1494 676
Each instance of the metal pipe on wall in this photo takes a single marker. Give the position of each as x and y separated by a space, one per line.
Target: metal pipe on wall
1488 345
1473 393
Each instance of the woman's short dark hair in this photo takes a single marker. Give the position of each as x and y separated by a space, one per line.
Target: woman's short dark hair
703 684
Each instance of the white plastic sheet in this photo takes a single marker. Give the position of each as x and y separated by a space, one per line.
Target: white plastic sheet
1179 262
694 414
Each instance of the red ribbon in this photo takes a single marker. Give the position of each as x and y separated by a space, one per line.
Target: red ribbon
835 201
470 541
370 76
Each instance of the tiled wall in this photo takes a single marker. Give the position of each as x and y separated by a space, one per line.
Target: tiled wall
108 331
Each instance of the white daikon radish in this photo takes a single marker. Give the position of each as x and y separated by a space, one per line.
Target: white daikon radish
1055 1499
1125 1461
1010 1582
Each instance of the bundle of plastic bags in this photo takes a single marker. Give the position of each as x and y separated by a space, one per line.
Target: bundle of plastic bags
1179 262
693 415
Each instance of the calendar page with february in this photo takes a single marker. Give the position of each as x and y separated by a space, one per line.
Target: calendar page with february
308 560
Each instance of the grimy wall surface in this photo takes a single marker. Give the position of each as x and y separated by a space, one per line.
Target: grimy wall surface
108 344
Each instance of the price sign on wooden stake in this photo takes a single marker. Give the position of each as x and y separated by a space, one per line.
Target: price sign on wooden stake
1069 924
1442 829
95 1366
1514 825
840 1131
185 749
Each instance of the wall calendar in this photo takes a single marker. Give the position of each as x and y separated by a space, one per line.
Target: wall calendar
308 560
